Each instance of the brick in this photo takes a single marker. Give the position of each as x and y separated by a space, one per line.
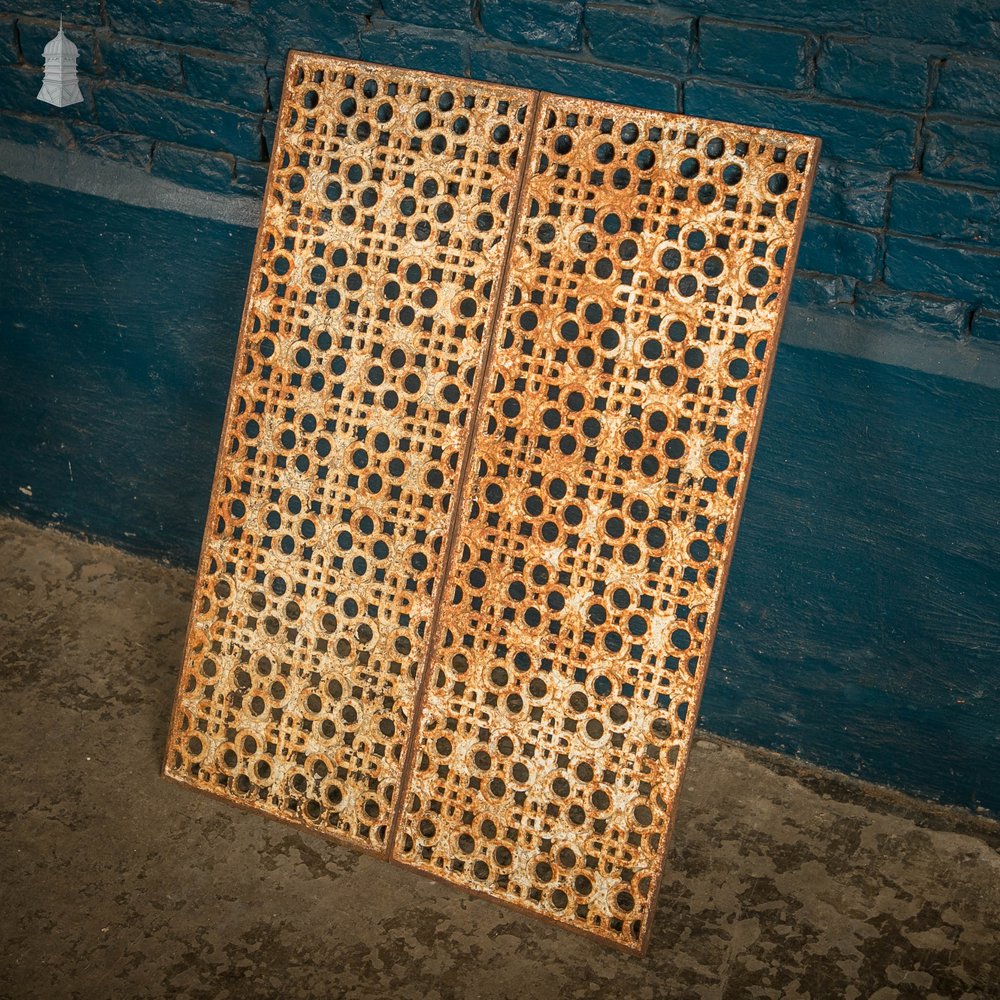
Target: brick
9 52
881 72
955 214
969 87
962 152
173 118
753 53
921 313
250 178
84 11
821 291
431 13
850 133
193 168
849 192
648 38
31 131
836 249
211 23
19 86
416 48
943 270
969 25
575 78
240 83
142 62
267 129
35 35
96 141
313 26
76 135
986 325
549 24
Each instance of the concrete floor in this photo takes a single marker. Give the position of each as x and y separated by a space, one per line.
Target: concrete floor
783 882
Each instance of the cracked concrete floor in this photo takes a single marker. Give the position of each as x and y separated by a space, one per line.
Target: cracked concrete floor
783 882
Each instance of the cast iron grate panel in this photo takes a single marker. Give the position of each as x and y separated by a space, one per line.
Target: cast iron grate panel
380 242
588 388
643 299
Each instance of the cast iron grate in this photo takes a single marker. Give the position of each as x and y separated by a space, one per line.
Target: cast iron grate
499 381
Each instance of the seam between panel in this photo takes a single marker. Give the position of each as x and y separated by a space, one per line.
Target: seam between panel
472 434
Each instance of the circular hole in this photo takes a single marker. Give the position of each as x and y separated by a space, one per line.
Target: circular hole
604 153
739 368
714 148
687 285
625 901
777 183
671 259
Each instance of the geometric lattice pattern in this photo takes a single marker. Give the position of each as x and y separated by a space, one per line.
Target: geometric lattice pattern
374 282
499 381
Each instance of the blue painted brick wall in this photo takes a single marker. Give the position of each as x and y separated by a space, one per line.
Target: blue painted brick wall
752 53
904 219
653 38
902 235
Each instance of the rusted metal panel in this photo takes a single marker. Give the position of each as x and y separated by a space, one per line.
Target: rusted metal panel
648 275
571 462
373 283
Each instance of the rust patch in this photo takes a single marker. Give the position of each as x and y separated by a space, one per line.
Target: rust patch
572 462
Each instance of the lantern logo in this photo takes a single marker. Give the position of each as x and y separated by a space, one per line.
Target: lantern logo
59 85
